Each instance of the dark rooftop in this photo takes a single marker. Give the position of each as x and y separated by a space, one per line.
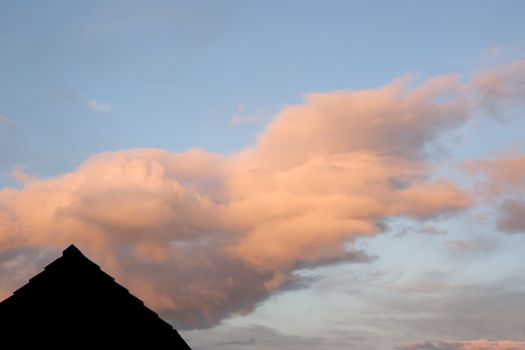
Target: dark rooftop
74 299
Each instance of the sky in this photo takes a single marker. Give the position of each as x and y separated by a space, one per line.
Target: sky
318 175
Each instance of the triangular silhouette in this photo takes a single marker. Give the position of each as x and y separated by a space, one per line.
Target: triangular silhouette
73 300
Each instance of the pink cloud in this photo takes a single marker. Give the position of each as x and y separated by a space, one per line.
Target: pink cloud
480 344
502 176
503 180
512 216
460 245
501 87
201 236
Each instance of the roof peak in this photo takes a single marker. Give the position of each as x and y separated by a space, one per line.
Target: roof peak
72 251
68 295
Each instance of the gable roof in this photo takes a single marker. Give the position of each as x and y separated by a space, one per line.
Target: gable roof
74 298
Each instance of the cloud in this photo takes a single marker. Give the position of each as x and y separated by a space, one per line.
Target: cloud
512 216
201 236
70 97
390 306
395 120
476 246
440 308
500 88
241 118
250 341
19 174
460 245
254 337
4 119
502 176
433 231
481 344
503 180
98 107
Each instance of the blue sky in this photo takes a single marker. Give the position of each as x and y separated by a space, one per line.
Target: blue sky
174 73
80 78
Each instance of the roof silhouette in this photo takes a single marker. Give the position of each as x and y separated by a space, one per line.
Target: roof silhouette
73 300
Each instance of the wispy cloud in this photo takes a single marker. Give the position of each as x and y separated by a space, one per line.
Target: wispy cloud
250 341
4 119
512 216
258 116
481 344
19 174
473 247
500 88
445 306
255 337
503 180
70 97
98 107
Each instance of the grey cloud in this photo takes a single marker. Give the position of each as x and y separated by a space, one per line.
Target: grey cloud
250 341
254 337
500 88
479 246
468 311
439 345
512 216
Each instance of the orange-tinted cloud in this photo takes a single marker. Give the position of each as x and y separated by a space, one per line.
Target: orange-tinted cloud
200 236
502 176
481 344
500 88
512 216
503 179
